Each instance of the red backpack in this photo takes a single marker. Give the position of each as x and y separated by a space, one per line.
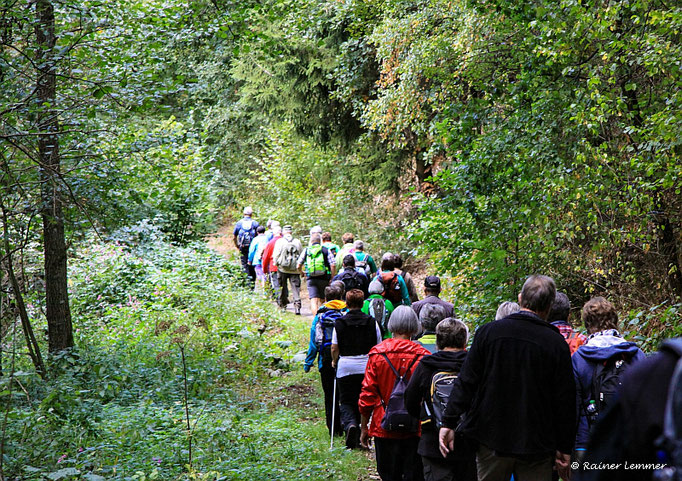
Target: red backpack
391 287
574 341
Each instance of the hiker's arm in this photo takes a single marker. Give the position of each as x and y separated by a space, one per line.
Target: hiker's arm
446 441
414 392
364 431
404 293
335 355
312 348
564 402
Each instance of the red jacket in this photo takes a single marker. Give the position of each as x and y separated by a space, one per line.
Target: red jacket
379 380
268 261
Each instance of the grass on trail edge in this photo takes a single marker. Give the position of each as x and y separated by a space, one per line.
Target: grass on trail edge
114 406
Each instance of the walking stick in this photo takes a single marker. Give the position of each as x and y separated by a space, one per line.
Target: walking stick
333 424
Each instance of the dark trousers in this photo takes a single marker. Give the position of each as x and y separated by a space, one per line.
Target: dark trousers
492 467
286 281
250 271
274 284
327 374
349 395
397 459
440 469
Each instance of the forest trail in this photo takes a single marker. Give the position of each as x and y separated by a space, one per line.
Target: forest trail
221 242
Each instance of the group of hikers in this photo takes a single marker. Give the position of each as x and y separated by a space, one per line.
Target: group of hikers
530 399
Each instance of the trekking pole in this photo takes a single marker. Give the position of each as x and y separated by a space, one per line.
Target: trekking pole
333 423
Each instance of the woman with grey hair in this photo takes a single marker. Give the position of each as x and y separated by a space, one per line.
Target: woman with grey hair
396 452
507 308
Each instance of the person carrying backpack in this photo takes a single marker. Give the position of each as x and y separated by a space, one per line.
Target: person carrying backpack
633 429
286 253
430 311
558 316
395 289
427 395
321 333
347 248
354 335
351 277
331 247
599 365
395 443
364 261
256 254
243 233
318 265
378 307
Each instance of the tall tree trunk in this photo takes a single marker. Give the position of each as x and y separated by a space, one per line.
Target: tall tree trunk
59 329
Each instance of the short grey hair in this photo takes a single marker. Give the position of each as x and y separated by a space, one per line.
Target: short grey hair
404 321
538 293
451 332
315 238
359 245
507 308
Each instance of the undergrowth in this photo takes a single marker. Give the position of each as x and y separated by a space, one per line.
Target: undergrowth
114 407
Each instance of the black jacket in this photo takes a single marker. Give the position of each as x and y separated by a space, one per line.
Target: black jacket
419 390
517 389
627 432
356 333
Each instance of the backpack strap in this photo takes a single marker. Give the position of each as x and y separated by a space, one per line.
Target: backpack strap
390 364
395 371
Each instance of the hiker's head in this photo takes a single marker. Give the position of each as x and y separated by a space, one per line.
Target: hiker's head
315 239
404 321
355 299
359 245
349 261
276 230
341 287
348 238
507 308
269 223
451 332
287 229
398 261
333 293
387 262
432 286
537 295
599 314
316 230
561 308
326 237
248 211
260 229
376 287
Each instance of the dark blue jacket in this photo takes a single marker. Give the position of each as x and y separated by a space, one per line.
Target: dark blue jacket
598 349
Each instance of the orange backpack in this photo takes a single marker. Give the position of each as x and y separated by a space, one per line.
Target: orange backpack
574 341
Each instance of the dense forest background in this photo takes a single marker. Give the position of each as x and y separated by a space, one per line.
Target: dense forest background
486 140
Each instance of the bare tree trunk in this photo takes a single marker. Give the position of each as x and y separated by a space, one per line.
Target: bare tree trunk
60 331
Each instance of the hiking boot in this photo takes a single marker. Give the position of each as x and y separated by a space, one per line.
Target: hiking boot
297 310
352 437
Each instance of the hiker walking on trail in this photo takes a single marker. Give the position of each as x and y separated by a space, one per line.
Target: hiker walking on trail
351 277
599 364
507 308
327 242
395 289
286 253
409 283
633 431
256 254
270 233
558 316
395 433
268 262
518 394
354 335
318 265
243 234
321 333
430 311
347 248
378 307
426 397
363 260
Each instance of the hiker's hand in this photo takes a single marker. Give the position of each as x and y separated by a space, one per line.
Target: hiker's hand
364 437
563 465
446 440
306 368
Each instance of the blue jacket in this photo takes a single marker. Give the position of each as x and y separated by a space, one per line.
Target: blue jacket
256 249
313 351
598 349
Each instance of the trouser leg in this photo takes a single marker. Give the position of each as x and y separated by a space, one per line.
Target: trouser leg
491 467
284 290
295 281
539 470
274 284
438 469
349 393
327 374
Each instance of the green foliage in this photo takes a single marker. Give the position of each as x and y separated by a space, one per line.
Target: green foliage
113 408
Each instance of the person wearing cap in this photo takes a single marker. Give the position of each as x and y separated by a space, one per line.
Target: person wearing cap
243 233
373 307
432 291
286 253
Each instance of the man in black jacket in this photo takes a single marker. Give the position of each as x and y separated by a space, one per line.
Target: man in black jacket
517 390
460 465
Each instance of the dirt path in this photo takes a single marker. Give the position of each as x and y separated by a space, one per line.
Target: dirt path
221 242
